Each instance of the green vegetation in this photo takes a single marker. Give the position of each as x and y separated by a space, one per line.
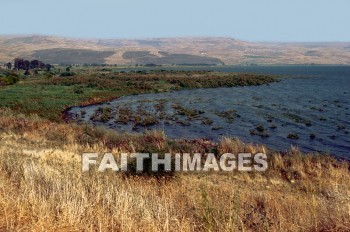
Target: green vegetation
8 78
49 93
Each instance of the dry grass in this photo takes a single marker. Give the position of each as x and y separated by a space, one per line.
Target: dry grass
42 186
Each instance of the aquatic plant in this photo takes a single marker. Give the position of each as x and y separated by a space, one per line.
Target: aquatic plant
229 115
207 121
190 113
148 121
293 136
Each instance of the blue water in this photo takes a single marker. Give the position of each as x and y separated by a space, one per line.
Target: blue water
313 100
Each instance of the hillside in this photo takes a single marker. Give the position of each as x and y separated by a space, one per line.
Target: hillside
185 51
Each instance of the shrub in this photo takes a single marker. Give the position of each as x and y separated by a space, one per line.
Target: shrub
67 74
78 90
8 78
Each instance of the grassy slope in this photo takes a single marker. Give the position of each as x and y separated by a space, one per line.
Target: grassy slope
42 187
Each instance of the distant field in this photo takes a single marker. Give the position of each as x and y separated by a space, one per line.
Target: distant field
72 56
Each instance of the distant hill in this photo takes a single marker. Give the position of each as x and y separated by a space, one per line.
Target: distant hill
182 51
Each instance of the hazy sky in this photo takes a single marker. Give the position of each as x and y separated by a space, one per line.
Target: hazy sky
252 20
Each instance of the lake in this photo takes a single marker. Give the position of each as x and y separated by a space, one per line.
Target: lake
309 109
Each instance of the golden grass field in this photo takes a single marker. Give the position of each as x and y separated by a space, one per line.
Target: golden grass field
42 187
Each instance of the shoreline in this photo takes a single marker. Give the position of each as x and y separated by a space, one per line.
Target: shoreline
153 100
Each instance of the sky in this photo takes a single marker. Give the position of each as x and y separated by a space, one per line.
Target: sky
250 20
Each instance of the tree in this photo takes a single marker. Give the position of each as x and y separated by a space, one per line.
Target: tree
26 65
18 63
48 67
37 64
41 65
21 64
34 64
9 65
